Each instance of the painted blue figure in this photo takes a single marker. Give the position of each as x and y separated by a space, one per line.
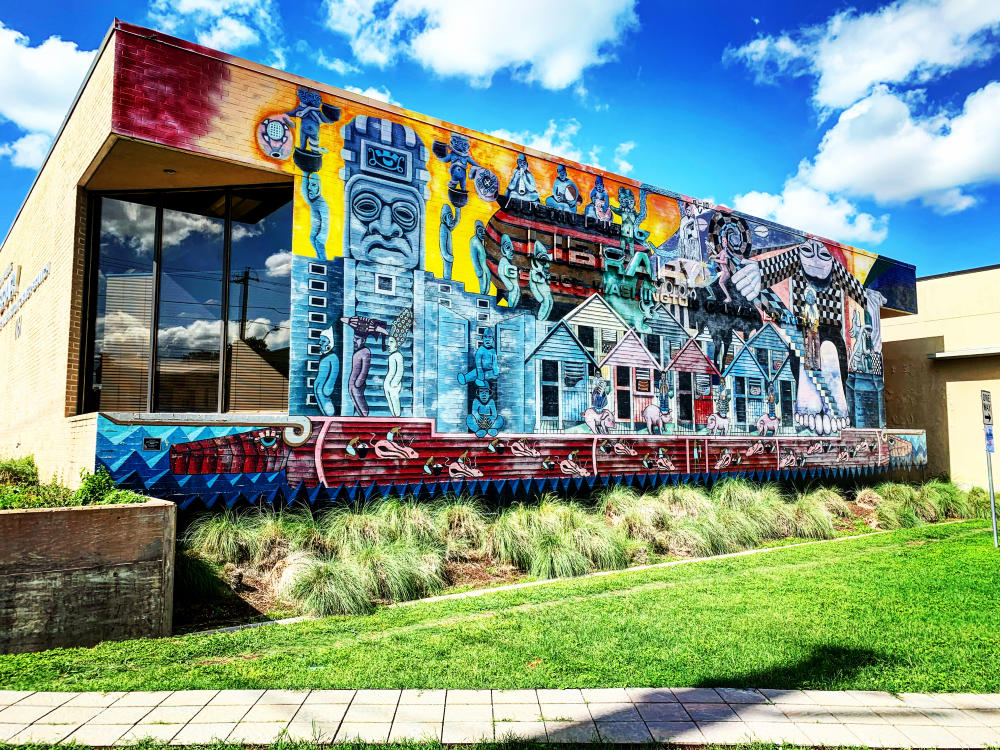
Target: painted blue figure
484 419
477 252
326 375
487 367
460 159
538 280
319 228
508 272
311 113
599 396
632 219
449 220
522 183
771 399
565 194
600 202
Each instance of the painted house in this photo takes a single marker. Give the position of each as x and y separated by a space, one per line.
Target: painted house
560 365
633 384
696 378
747 383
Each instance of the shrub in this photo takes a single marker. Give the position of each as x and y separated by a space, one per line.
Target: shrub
979 503
196 578
94 487
226 537
333 586
19 471
22 497
553 556
950 500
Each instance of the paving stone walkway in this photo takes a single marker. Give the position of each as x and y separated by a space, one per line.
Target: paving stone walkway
688 716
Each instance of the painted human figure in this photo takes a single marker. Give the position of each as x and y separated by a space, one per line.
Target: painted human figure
311 116
484 420
818 288
449 220
326 374
632 219
319 212
810 324
460 159
508 272
538 280
722 402
522 183
487 367
565 194
600 203
477 252
664 393
721 257
771 400
393 376
362 358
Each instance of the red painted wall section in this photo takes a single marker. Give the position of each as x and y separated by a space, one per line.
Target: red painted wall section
168 93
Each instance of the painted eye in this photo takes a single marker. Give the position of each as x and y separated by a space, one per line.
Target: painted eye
404 215
268 442
366 206
808 251
824 254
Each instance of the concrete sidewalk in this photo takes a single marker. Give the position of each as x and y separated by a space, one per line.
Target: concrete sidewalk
688 716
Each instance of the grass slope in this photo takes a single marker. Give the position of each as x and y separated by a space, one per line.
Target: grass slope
908 610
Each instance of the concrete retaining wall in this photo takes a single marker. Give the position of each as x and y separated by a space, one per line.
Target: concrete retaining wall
79 576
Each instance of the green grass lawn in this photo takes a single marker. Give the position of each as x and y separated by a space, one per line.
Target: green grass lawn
910 610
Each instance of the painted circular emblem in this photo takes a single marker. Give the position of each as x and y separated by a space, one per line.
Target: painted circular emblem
274 136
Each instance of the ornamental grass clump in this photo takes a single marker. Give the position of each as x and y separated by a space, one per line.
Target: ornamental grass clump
810 516
226 537
333 586
949 499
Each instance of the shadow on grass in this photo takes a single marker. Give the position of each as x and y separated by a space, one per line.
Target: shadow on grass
825 668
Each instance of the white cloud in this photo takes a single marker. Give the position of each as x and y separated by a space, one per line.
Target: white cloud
336 64
228 34
380 95
878 149
904 42
177 227
229 25
802 207
37 86
27 151
556 139
623 166
279 265
544 41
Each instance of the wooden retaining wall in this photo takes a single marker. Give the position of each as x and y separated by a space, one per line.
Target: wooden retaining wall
79 576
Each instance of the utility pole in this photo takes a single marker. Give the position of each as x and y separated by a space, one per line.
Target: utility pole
244 279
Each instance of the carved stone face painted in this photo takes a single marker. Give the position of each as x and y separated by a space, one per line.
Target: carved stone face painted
599 183
507 247
522 161
480 231
816 260
484 395
446 213
489 340
561 172
313 186
384 224
325 344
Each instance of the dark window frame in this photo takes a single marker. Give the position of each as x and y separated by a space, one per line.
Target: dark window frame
87 396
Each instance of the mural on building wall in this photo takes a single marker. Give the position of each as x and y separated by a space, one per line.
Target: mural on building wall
463 312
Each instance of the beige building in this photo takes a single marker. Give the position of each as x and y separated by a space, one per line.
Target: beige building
938 361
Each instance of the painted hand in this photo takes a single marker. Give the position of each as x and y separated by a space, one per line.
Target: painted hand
747 280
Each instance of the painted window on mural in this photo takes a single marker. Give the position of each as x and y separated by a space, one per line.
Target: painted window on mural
165 267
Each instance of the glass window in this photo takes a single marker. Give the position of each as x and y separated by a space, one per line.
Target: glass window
164 261
189 324
259 301
124 305
550 389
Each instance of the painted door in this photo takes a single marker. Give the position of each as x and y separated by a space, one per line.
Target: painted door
785 402
452 356
703 405
623 394
685 400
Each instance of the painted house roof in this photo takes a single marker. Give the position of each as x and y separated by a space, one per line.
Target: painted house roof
631 352
767 337
597 313
560 343
666 325
692 359
745 364
785 371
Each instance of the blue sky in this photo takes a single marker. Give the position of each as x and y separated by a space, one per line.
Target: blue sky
871 123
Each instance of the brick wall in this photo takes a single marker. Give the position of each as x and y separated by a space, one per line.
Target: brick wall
39 368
